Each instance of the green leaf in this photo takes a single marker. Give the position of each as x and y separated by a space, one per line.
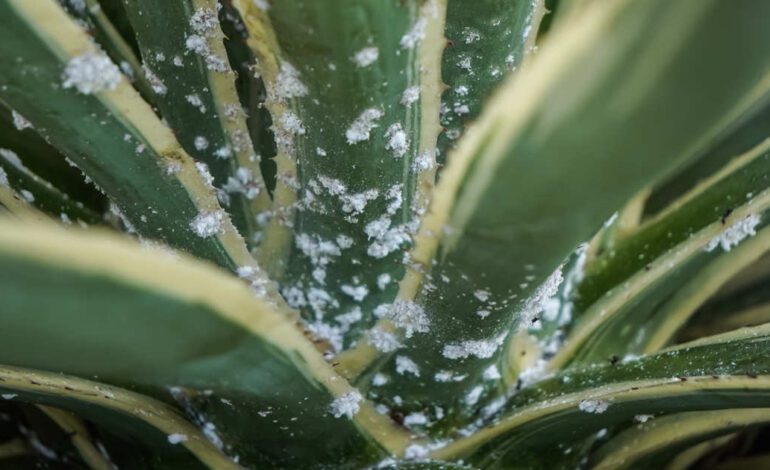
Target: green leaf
110 133
91 14
251 90
712 200
745 133
42 194
656 442
142 419
729 371
46 162
507 210
647 312
730 309
194 85
155 322
488 39
354 93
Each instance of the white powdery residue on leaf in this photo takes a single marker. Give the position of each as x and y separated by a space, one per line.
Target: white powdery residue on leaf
383 280
346 405
330 333
383 341
91 72
397 140
643 418
8 396
381 310
481 294
208 224
204 21
288 84
197 44
491 373
386 239
461 109
203 170
537 302
404 365
465 64
294 296
156 83
223 152
3 178
593 406
262 4
357 293
473 396
320 152
395 196
243 182
292 123
210 431
415 34
379 379
319 251
415 419
534 373
483 349
196 101
344 241
462 90
366 56
424 161
354 204
27 196
470 35
19 122
735 233
416 452
320 300
447 376
361 128
176 438
201 143
333 186
410 317
410 95
346 320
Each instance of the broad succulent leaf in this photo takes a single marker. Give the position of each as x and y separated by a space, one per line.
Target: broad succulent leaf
384 234
721 372
174 329
487 39
353 92
496 255
194 91
170 437
51 68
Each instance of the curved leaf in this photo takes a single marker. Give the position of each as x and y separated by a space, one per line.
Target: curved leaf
144 419
49 68
655 442
729 371
156 322
354 93
506 211
488 39
195 93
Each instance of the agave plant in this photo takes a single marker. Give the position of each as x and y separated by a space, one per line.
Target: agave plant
384 234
